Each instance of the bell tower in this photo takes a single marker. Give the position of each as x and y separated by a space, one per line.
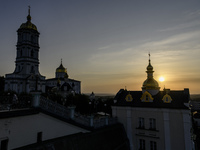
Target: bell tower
26 76
27 61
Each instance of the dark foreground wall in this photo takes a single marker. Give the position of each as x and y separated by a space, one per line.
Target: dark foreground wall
109 138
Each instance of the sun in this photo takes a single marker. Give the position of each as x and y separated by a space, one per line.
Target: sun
161 79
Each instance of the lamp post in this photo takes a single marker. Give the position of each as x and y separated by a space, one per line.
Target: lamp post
90 105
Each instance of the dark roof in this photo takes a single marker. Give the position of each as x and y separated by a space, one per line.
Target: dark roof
34 111
178 99
108 138
62 79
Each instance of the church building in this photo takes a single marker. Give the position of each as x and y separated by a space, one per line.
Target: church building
62 83
154 119
26 76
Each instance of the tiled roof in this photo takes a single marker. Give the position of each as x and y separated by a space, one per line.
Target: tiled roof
178 99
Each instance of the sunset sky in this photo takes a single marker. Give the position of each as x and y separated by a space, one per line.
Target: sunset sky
105 43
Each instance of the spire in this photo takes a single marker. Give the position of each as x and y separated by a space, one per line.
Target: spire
150 67
29 16
29 7
61 61
149 58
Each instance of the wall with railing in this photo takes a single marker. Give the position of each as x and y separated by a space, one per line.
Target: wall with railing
69 113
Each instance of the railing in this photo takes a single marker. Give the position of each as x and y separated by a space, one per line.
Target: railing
8 103
62 111
54 107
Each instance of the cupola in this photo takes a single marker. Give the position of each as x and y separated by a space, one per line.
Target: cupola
61 72
28 24
150 84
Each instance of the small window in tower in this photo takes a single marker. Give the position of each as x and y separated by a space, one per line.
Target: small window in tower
32 69
32 39
32 53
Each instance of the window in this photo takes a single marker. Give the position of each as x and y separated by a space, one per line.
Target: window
152 123
142 144
4 144
39 137
129 98
147 98
32 53
141 122
153 145
167 98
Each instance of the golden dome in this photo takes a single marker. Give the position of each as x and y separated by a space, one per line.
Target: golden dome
150 83
28 24
61 69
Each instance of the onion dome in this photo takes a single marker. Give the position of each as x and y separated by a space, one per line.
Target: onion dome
150 83
28 24
61 68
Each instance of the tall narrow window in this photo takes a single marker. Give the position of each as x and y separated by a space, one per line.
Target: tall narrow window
32 53
142 144
141 122
153 145
4 144
152 123
32 39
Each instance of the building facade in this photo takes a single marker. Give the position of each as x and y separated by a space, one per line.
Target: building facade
26 76
154 119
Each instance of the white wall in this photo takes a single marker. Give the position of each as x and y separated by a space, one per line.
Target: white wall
172 127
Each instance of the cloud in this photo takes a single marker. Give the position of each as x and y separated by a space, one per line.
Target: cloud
194 23
179 41
195 13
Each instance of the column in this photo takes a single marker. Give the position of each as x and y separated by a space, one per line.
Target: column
167 130
187 127
129 126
